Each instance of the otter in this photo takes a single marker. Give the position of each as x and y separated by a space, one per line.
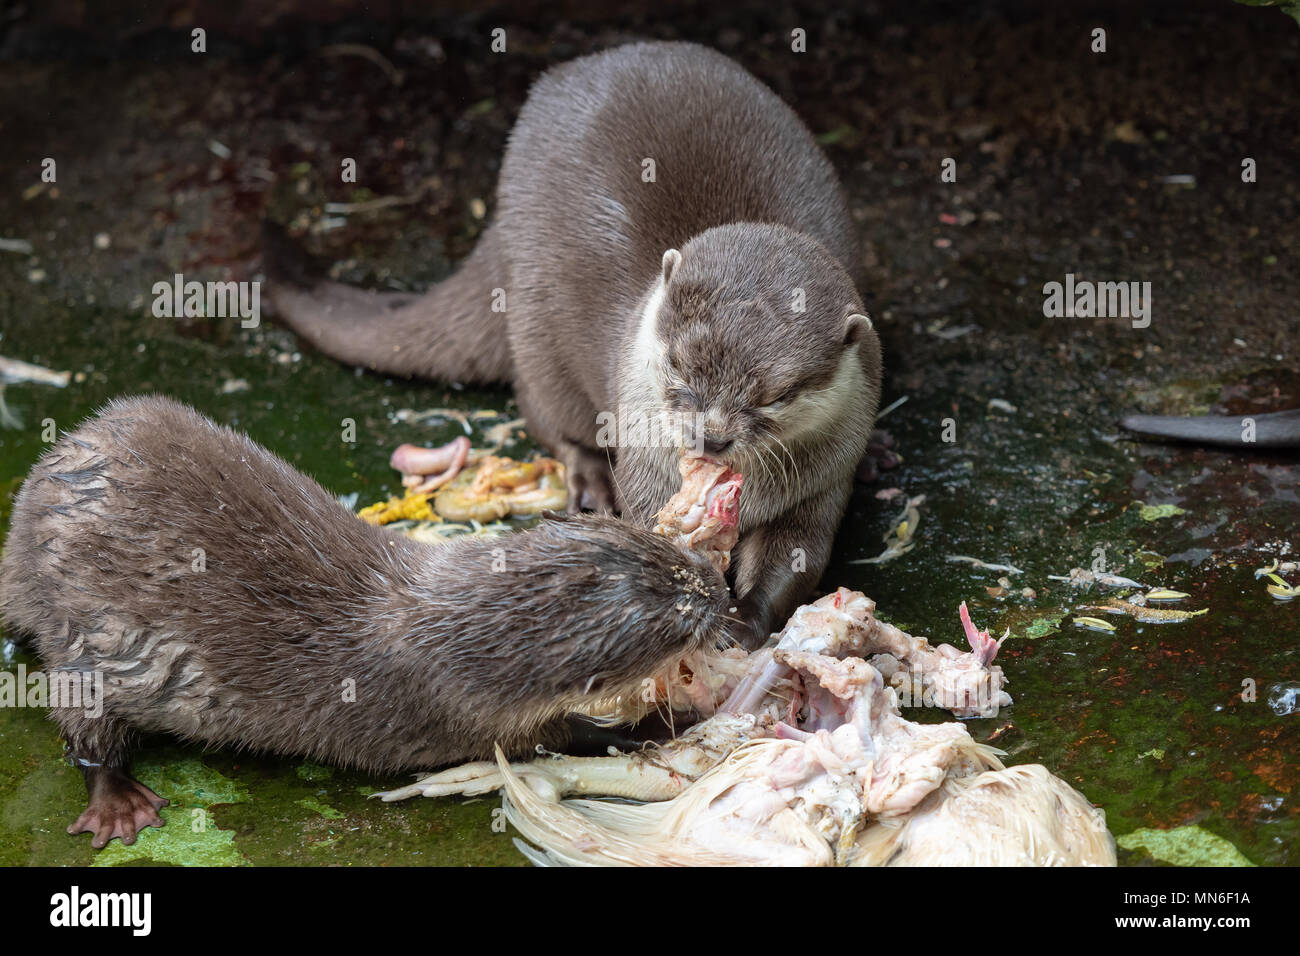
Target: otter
220 595
669 245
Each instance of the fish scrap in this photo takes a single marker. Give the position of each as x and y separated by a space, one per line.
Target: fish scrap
1135 607
982 565
15 372
1281 589
1082 578
899 538
1094 624
1285 567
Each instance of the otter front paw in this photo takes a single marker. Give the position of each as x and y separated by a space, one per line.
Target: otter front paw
750 624
880 457
590 480
119 807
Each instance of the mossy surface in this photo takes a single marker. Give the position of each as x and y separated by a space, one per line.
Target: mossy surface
1166 727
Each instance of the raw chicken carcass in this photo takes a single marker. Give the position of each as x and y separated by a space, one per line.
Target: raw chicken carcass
1020 816
806 759
856 784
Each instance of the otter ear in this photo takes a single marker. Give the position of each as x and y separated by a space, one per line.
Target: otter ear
672 259
856 326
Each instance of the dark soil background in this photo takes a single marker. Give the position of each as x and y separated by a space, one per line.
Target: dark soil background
169 160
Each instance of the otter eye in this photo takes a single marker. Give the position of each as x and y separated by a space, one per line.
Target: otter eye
784 399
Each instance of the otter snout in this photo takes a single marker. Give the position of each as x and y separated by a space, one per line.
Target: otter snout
704 601
713 434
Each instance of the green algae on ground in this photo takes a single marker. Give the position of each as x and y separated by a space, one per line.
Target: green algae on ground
1156 512
187 780
324 809
182 842
1043 626
191 836
1185 846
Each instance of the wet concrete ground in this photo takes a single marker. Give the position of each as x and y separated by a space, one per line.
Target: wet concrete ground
173 159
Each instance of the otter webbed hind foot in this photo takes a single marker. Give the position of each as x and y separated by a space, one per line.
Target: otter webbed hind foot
119 807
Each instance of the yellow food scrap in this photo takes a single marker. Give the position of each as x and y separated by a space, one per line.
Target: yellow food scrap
1094 624
410 507
497 488
502 486
1280 588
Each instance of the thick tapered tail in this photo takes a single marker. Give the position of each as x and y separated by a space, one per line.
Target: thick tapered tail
450 332
1273 430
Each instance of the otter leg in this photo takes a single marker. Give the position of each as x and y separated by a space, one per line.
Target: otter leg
777 565
118 805
590 479
588 472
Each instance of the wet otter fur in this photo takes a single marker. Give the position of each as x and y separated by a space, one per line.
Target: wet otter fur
721 285
228 599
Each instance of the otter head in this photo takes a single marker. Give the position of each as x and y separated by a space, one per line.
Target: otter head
758 333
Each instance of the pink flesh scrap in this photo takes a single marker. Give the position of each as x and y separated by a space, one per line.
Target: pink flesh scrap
981 644
704 515
427 469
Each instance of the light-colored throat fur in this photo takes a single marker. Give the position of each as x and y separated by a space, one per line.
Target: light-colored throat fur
824 433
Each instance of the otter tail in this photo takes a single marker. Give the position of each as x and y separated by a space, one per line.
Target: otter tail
450 332
1273 430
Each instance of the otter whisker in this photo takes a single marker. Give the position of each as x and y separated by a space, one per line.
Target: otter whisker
773 472
764 445
794 464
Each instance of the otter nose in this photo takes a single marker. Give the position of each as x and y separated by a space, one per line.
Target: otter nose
716 446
